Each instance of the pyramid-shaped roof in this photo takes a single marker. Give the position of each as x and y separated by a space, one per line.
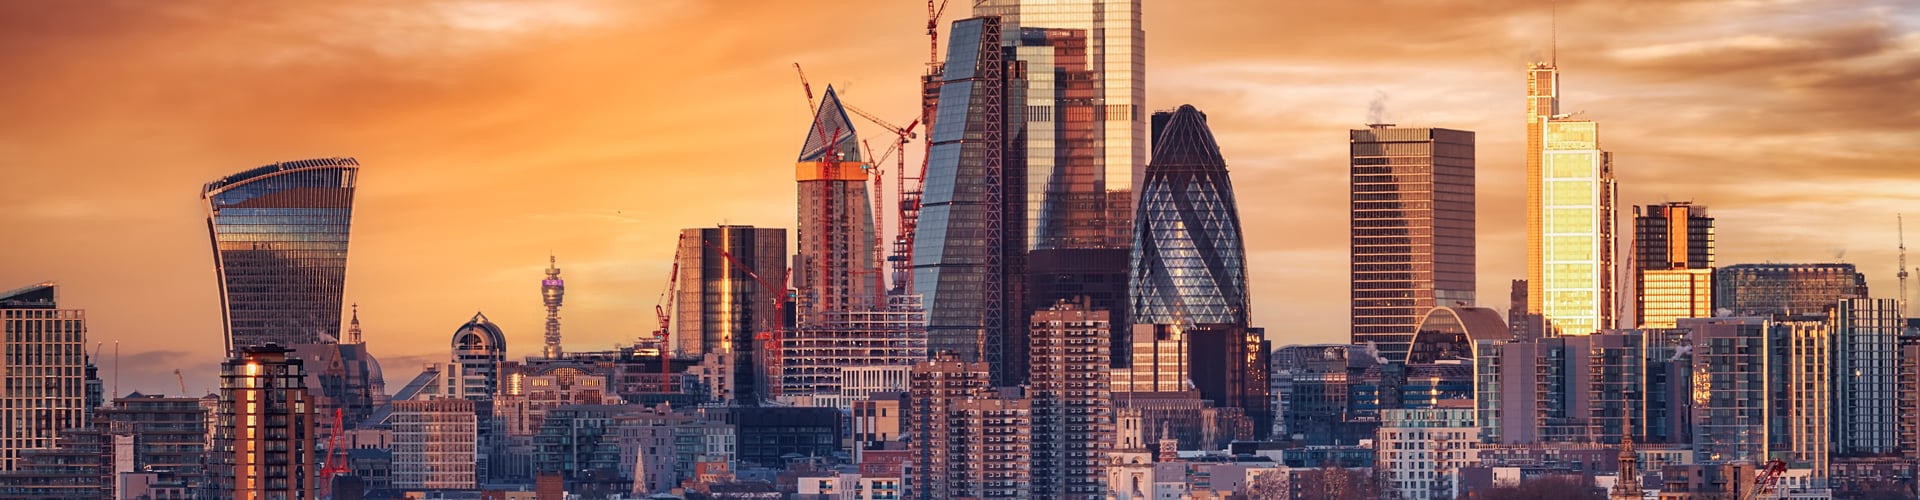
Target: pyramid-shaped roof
830 122
1187 142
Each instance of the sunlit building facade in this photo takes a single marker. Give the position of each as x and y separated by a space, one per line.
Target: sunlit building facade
1116 54
263 445
434 444
969 253
1761 390
479 348
1072 401
835 269
1764 289
1673 264
721 306
1866 373
43 369
1411 228
1570 219
280 250
1189 260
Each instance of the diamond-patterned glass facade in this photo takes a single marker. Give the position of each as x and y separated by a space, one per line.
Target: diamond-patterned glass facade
280 249
1189 260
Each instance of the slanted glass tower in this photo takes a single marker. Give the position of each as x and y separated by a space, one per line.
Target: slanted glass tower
280 250
969 252
1189 260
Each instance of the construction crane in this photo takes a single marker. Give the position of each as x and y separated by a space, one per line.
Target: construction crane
1766 480
1901 222
811 108
336 458
828 169
182 380
770 338
663 311
909 218
902 135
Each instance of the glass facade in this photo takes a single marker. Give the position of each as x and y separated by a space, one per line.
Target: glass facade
1761 289
1673 264
1866 371
1066 187
1116 50
1189 260
279 237
1570 228
968 267
838 263
1412 229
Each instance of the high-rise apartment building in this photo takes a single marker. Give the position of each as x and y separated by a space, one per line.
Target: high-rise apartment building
1672 263
263 446
722 304
1116 56
280 250
1072 402
1423 451
43 368
479 348
1866 377
434 444
1766 390
1570 220
969 253
1189 259
1765 289
1411 229
553 292
971 440
169 435
836 267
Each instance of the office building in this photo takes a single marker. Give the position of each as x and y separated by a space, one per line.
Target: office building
1422 451
577 438
1066 184
969 254
1672 263
1189 261
1411 227
1909 417
1097 276
726 273
279 237
767 434
553 292
1767 289
1570 219
1159 361
43 369
263 445
971 440
837 267
434 444
1072 402
78 466
1866 377
479 348
1116 60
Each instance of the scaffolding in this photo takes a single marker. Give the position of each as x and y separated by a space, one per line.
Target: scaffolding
814 354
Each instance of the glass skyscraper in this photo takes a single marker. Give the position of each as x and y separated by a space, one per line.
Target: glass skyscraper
969 251
1570 227
1189 260
1763 289
1412 229
1866 373
1116 53
280 250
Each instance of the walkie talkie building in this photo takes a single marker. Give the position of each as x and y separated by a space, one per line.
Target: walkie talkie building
280 250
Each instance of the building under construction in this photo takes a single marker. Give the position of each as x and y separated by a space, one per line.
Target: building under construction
814 354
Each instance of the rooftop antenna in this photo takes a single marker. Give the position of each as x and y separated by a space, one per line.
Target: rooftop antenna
1900 221
1553 36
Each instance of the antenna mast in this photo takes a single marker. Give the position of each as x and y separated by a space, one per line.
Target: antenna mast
1900 221
1553 36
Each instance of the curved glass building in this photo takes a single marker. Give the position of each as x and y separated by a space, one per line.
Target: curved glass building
280 249
1189 260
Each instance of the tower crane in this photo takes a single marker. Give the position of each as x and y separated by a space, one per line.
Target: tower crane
902 135
182 380
1765 480
336 457
770 338
829 168
663 311
1901 222
910 198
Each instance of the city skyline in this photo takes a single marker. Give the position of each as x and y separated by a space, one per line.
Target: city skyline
484 152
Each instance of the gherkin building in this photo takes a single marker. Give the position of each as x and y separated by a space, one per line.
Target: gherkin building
1188 265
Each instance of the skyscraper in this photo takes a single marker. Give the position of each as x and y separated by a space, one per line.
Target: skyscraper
1673 264
1411 228
1072 402
721 303
972 440
42 368
434 444
1570 200
263 443
1761 390
280 250
1116 54
552 291
835 269
1866 375
1764 289
1188 267
969 255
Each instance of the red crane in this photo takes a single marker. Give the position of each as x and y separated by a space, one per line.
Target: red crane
1766 479
903 136
663 310
910 198
336 457
770 338
829 168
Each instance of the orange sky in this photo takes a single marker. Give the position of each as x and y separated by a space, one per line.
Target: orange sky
493 133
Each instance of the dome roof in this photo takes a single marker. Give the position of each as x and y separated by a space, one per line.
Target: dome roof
479 334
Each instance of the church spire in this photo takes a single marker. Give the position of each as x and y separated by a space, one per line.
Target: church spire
353 327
